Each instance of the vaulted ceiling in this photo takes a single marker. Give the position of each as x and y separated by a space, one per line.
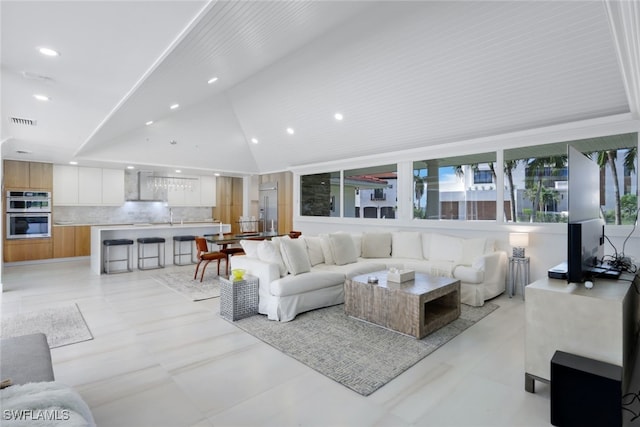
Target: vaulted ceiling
403 75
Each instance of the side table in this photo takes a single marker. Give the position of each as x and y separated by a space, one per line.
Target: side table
518 272
238 298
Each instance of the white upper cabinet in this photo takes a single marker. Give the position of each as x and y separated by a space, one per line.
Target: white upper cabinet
89 186
197 191
83 186
112 187
65 185
208 191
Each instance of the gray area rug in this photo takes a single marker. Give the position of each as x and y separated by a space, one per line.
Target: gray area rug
358 355
182 282
62 325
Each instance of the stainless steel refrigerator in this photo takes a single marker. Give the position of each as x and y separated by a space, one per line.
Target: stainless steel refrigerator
268 204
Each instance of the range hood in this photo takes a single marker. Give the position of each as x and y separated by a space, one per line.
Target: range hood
138 188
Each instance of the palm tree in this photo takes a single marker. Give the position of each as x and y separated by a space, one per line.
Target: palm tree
536 172
509 167
418 188
605 158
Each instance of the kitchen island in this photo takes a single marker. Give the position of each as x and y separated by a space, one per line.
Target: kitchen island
135 231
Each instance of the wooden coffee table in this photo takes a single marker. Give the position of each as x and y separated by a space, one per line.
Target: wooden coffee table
417 307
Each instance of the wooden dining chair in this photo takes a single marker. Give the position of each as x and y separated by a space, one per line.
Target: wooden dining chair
205 255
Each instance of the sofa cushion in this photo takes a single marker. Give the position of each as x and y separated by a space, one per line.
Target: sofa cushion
351 270
435 268
406 244
269 252
472 249
293 285
250 247
376 245
327 253
468 274
445 248
294 255
314 249
343 249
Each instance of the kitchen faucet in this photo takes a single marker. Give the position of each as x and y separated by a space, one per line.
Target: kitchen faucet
170 216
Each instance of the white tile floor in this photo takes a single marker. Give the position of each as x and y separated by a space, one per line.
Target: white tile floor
158 359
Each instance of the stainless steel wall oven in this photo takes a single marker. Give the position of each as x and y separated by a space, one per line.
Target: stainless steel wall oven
28 214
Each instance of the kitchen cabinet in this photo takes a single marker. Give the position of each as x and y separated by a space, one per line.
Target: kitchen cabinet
207 191
89 186
63 241
71 241
181 196
27 249
83 240
85 186
20 175
112 187
65 185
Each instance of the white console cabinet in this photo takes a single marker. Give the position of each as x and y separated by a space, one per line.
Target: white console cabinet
599 323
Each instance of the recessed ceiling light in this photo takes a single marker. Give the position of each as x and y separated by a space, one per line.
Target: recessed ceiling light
73 162
216 174
174 106
178 171
290 131
40 97
254 140
338 116
149 123
48 52
131 167
212 80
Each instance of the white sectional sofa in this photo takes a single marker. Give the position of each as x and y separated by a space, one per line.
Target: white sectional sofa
298 275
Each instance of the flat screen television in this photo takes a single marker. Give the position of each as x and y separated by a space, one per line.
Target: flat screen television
585 233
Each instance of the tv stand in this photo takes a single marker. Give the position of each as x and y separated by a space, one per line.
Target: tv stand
599 323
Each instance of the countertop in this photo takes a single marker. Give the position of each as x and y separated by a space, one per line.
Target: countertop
157 226
186 223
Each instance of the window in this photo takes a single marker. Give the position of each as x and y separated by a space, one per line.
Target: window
536 179
482 176
370 192
319 193
456 188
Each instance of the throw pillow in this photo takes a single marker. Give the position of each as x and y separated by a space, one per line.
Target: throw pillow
472 249
406 244
269 252
314 249
326 249
344 251
445 248
294 255
250 247
376 245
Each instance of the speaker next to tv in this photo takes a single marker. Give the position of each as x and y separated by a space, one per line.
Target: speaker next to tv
585 392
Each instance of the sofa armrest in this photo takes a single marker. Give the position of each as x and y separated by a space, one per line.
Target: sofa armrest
265 271
494 265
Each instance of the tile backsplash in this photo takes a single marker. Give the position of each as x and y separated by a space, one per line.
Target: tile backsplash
129 213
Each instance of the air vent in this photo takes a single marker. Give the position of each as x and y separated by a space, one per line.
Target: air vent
22 121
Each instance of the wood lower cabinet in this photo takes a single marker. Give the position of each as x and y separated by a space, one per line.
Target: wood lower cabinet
83 240
71 241
27 249
64 244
